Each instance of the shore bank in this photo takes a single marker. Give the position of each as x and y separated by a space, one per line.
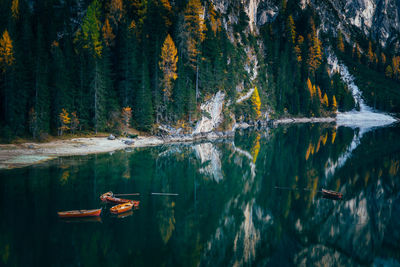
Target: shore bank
26 154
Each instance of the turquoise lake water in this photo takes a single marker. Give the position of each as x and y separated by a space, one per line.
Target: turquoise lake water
228 211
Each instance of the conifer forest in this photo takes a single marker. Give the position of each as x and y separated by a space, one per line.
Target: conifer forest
88 66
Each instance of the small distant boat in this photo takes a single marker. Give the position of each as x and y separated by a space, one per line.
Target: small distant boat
121 208
79 213
331 194
109 197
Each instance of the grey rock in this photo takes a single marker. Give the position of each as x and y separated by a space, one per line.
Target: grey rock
111 137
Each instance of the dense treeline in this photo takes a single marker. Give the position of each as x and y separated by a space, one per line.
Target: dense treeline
105 65
86 61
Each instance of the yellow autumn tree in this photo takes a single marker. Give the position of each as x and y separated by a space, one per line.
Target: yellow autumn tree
319 94
215 22
315 51
168 66
6 51
325 100
396 67
15 8
310 87
256 102
64 120
255 149
370 54
108 34
334 103
291 29
340 44
389 71
116 11
297 48
383 58
195 29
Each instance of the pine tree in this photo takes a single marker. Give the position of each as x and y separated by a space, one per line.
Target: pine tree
370 54
291 29
41 88
340 44
143 105
193 35
168 66
315 51
127 71
6 61
334 103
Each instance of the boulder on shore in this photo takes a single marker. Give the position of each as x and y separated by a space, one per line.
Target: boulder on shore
111 137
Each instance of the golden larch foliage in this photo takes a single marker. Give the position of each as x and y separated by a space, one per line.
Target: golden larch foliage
370 54
168 65
195 28
340 43
256 102
310 87
256 148
65 121
389 71
318 145
334 103
333 137
297 48
291 29
325 100
6 50
15 8
214 21
383 58
396 66
166 5
108 34
324 139
319 94
116 11
315 51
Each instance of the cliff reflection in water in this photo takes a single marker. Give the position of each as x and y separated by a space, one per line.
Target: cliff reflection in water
228 212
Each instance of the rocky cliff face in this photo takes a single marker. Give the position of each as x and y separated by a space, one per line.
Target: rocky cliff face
377 19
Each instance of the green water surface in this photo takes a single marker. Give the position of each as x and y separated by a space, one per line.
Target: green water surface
228 211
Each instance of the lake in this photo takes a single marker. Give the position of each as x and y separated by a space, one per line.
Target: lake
229 211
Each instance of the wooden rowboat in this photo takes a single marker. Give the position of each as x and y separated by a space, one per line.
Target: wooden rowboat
104 196
331 194
79 213
109 197
121 208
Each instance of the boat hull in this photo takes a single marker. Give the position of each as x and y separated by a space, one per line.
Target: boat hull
121 208
331 194
79 213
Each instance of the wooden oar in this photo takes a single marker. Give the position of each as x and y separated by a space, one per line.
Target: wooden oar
132 194
164 194
296 188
